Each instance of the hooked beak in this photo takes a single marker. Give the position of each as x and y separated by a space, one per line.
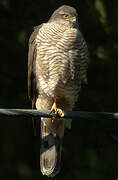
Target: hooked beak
74 19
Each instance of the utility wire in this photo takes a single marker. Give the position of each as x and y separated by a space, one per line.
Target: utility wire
70 114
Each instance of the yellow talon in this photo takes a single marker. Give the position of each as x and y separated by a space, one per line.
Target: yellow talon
60 112
54 107
56 111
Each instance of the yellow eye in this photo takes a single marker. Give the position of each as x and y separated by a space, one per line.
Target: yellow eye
66 16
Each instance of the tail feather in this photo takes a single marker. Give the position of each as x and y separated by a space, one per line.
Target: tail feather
50 153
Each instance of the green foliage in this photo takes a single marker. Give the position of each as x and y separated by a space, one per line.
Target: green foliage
89 151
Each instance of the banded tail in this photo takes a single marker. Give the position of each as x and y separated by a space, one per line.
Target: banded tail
50 152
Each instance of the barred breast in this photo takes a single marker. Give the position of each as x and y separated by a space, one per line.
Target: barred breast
62 57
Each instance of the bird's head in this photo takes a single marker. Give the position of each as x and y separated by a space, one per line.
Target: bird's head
65 15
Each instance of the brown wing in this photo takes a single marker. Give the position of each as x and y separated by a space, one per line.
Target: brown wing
32 92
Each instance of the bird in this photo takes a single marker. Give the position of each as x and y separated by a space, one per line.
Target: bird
57 66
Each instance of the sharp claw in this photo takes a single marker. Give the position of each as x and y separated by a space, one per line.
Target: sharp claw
60 112
56 110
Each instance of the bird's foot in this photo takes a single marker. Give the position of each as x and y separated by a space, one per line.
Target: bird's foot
56 111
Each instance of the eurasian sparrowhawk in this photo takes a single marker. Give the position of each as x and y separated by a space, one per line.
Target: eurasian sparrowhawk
57 65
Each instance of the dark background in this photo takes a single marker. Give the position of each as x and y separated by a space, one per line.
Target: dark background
90 149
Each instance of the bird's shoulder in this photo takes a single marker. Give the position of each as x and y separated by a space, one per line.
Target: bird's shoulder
34 33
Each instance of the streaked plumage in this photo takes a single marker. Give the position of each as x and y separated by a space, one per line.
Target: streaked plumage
57 65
